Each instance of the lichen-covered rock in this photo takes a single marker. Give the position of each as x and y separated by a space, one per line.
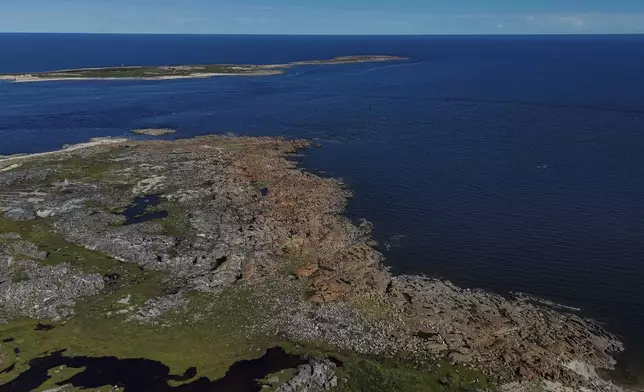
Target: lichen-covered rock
20 214
16 247
316 376
48 292
156 307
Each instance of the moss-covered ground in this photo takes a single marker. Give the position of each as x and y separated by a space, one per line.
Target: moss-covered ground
211 334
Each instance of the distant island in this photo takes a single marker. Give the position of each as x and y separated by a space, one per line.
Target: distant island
183 71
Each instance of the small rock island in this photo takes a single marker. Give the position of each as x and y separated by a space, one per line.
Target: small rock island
215 262
183 71
154 131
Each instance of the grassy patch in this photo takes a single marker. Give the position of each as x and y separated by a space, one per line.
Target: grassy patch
59 374
372 308
60 251
177 223
83 169
371 376
275 379
18 274
212 334
363 374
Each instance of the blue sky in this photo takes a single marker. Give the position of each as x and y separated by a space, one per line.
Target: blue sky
324 16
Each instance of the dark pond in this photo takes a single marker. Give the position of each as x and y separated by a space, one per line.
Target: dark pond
144 375
8 370
44 327
142 210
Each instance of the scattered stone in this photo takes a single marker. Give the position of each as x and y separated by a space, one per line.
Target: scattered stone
10 236
156 307
125 300
23 248
149 185
112 278
48 293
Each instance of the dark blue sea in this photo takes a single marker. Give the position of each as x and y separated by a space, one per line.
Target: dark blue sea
511 163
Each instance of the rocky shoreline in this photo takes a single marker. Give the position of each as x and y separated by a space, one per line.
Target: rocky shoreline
239 215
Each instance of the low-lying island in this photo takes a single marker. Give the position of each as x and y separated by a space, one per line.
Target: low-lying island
182 71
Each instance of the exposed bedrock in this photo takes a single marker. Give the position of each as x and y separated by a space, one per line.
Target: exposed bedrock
238 212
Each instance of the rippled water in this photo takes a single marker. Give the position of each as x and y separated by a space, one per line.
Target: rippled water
509 163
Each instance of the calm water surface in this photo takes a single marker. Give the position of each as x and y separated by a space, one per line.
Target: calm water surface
508 163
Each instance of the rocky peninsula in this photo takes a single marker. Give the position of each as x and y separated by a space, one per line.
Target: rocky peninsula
216 264
182 71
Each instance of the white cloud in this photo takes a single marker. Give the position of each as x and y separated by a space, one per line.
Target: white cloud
252 20
185 20
540 23
574 21
263 8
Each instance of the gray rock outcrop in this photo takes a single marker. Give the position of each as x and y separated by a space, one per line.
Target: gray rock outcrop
316 376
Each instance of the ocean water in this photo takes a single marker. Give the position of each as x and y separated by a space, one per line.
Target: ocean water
506 163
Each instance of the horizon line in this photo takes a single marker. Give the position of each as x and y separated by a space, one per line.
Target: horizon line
325 35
